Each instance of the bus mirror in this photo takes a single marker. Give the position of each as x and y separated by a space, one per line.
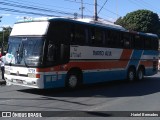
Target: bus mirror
64 53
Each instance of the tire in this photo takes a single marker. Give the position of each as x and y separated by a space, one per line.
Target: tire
140 74
72 80
131 75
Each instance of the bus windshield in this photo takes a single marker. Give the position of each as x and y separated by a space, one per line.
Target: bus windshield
25 51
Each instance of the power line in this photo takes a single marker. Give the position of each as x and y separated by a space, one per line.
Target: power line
20 11
135 3
30 13
47 12
143 4
93 5
147 5
33 8
111 12
103 6
41 5
79 2
37 9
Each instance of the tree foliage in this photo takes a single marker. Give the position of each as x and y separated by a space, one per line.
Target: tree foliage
140 20
4 34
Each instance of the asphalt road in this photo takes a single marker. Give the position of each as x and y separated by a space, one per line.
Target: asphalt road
96 100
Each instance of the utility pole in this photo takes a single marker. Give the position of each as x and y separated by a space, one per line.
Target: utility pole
82 8
117 8
95 10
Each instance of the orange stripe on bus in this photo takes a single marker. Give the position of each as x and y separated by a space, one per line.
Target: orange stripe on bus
49 69
126 54
148 63
38 76
98 65
109 64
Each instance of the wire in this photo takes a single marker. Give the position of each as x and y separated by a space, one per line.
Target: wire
93 5
147 5
33 8
26 3
103 6
37 10
79 2
33 13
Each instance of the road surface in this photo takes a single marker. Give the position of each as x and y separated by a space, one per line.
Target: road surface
96 100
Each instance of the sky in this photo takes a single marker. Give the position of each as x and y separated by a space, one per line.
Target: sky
15 10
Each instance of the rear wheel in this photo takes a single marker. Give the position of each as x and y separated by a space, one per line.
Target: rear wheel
131 75
140 74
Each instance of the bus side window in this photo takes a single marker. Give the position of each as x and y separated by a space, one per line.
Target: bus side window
78 35
113 39
96 37
147 44
154 44
118 39
51 56
157 44
127 40
92 32
139 42
108 40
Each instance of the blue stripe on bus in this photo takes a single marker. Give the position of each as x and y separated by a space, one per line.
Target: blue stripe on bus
135 58
92 77
95 77
150 71
51 81
88 77
150 52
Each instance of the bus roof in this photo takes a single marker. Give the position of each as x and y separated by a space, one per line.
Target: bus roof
100 22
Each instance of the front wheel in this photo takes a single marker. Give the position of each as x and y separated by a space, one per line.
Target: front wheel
72 80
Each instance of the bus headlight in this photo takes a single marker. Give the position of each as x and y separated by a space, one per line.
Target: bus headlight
32 75
7 72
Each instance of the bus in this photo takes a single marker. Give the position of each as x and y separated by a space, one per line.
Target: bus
65 52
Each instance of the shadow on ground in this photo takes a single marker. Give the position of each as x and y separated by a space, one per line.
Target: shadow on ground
109 89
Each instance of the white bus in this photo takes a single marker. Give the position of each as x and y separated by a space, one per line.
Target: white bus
62 52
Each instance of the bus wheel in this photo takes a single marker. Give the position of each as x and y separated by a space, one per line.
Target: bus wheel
131 74
140 74
72 80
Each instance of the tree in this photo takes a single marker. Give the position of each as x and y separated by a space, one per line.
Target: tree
119 21
140 20
6 32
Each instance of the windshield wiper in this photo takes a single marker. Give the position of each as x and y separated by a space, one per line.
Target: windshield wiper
23 55
18 54
24 59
